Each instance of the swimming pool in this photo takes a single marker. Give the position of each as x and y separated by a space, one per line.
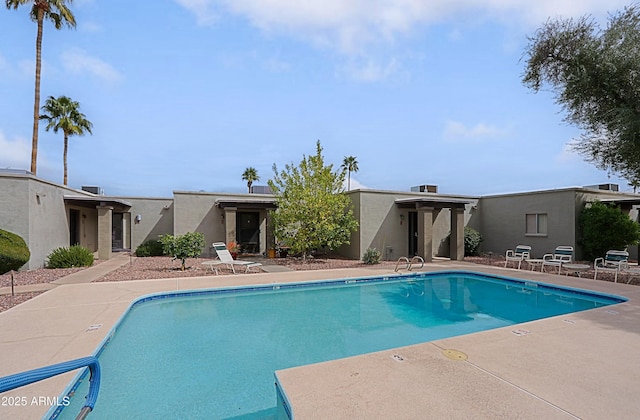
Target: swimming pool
212 354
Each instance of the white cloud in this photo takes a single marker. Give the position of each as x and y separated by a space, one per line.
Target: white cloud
202 9
456 131
91 27
355 184
354 26
16 153
77 61
370 70
568 155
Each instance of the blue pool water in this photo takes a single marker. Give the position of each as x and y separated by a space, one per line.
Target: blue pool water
213 354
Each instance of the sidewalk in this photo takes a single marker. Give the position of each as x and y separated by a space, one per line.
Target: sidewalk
93 273
85 276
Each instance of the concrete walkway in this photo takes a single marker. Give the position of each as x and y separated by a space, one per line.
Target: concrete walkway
91 274
87 275
580 365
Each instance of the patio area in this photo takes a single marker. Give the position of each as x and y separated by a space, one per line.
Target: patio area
580 365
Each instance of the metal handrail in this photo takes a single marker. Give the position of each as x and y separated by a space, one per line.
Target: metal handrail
420 260
404 259
18 380
409 263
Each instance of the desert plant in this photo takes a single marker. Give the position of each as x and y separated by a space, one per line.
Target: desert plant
605 227
74 256
189 245
150 248
472 239
14 252
371 256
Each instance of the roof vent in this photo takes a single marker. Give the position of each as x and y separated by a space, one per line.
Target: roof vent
261 189
425 188
93 190
604 187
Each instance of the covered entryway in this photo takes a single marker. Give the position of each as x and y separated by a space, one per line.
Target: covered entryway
99 223
246 222
248 228
422 212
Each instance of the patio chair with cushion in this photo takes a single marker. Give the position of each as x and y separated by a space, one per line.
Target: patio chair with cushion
224 257
613 262
562 255
521 253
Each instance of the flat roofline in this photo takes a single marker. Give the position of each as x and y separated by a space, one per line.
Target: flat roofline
258 203
435 202
88 201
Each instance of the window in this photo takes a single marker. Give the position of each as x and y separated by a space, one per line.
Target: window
536 224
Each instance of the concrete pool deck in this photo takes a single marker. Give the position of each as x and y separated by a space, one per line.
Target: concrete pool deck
581 365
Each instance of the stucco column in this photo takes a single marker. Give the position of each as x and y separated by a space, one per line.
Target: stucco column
105 232
126 230
456 240
230 224
425 233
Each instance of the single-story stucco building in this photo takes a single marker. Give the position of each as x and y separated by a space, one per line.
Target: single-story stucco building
48 216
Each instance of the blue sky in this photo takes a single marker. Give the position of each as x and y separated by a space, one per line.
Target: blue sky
186 94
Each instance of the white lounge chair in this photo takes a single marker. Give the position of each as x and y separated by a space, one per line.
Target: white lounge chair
613 262
224 257
521 253
562 255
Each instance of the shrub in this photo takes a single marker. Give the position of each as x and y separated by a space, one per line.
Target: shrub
371 256
472 239
74 256
150 248
189 245
605 227
14 252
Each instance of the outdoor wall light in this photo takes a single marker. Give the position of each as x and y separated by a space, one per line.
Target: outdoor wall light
401 218
222 218
138 218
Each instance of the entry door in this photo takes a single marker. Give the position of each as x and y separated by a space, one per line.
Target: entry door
248 228
116 231
74 227
413 233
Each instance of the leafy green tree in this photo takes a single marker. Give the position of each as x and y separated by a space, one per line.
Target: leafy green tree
64 114
189 245
313 211
250 175
349 164
605 227
595 76
59 14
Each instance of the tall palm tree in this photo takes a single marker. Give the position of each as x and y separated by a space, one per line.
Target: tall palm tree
250 175
350 164
64 114
57 12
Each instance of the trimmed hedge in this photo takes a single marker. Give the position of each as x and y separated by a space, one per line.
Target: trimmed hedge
75 256
14 252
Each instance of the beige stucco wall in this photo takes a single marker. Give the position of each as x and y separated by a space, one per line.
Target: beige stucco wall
196 212
381 225
35 210
88 227
156 219
503 219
